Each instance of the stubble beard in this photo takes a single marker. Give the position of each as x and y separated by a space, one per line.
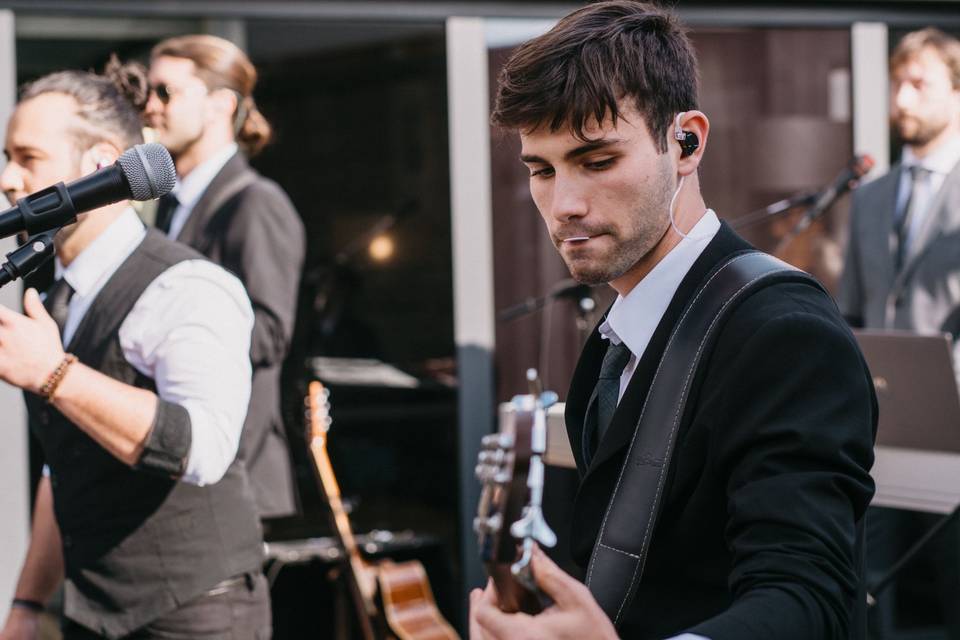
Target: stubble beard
647 226
917 132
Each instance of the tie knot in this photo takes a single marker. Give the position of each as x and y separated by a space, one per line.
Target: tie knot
58 301
919 172
614 360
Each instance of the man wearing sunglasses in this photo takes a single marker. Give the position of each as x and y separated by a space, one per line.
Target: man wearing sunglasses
201 106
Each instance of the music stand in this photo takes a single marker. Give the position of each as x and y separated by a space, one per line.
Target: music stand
918 436
917 455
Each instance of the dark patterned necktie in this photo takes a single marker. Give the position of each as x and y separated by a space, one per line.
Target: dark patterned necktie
918 180
166 206
603 401
57 302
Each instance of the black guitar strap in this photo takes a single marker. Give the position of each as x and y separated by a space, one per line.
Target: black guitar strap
617 562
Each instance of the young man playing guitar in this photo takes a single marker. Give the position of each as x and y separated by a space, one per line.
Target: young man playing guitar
756 535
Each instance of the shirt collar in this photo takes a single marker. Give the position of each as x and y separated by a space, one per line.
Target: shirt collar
101 258
189 189
634 318
942 160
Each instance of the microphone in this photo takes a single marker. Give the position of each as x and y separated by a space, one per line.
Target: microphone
143 172
848 180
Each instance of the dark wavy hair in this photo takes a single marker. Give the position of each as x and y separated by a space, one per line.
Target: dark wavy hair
594 58
110 105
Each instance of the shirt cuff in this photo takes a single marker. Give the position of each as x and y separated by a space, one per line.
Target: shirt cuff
168 443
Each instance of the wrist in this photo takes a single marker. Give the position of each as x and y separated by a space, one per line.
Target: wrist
26 607
53 380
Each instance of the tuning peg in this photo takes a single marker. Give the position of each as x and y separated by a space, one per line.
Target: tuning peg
497 441
490 524
548 399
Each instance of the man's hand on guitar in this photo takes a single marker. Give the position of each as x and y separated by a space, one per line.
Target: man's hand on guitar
574 614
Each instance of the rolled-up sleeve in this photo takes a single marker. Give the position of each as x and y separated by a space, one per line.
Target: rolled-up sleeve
190 332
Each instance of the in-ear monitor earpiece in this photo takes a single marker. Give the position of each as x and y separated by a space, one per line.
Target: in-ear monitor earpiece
689 142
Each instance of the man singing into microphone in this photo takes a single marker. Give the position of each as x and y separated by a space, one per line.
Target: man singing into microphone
137 376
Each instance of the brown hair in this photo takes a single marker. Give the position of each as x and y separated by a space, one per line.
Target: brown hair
110 105
946 46
222 65
593 57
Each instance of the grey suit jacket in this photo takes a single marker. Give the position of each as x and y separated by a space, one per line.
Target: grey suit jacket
924 296
247 224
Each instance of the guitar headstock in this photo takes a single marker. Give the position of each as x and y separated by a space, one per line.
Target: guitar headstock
318 411
509 517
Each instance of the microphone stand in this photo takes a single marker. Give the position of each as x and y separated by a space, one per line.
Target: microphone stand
812 213
778 208
567 288
29 257
874 589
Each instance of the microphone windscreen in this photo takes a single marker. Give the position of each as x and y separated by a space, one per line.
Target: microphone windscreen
149 170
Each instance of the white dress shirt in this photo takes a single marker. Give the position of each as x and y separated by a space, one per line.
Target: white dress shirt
189 332
191 188
633 319
939 163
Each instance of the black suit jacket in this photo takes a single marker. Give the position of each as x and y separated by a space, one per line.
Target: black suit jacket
247 224
758 534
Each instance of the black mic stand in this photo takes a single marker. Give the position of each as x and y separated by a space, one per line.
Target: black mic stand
29 257
812 213
776 209
567 288
564 289
873 590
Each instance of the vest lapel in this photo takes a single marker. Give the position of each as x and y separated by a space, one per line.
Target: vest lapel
114 301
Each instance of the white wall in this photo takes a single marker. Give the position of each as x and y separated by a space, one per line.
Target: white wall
14 492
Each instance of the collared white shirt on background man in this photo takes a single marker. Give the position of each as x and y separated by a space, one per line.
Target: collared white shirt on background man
939 163
633 319
189 332
191 188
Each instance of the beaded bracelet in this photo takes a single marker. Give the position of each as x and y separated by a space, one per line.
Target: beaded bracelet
53 381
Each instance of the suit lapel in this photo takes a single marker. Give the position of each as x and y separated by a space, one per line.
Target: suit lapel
881 212
581 387
193 231
629 410
943 216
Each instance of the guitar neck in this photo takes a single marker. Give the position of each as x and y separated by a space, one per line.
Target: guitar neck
331 489
361 577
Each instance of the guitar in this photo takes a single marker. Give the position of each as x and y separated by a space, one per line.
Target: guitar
392 599
510 514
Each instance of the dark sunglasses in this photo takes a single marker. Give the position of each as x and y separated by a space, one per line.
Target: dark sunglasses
164 92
